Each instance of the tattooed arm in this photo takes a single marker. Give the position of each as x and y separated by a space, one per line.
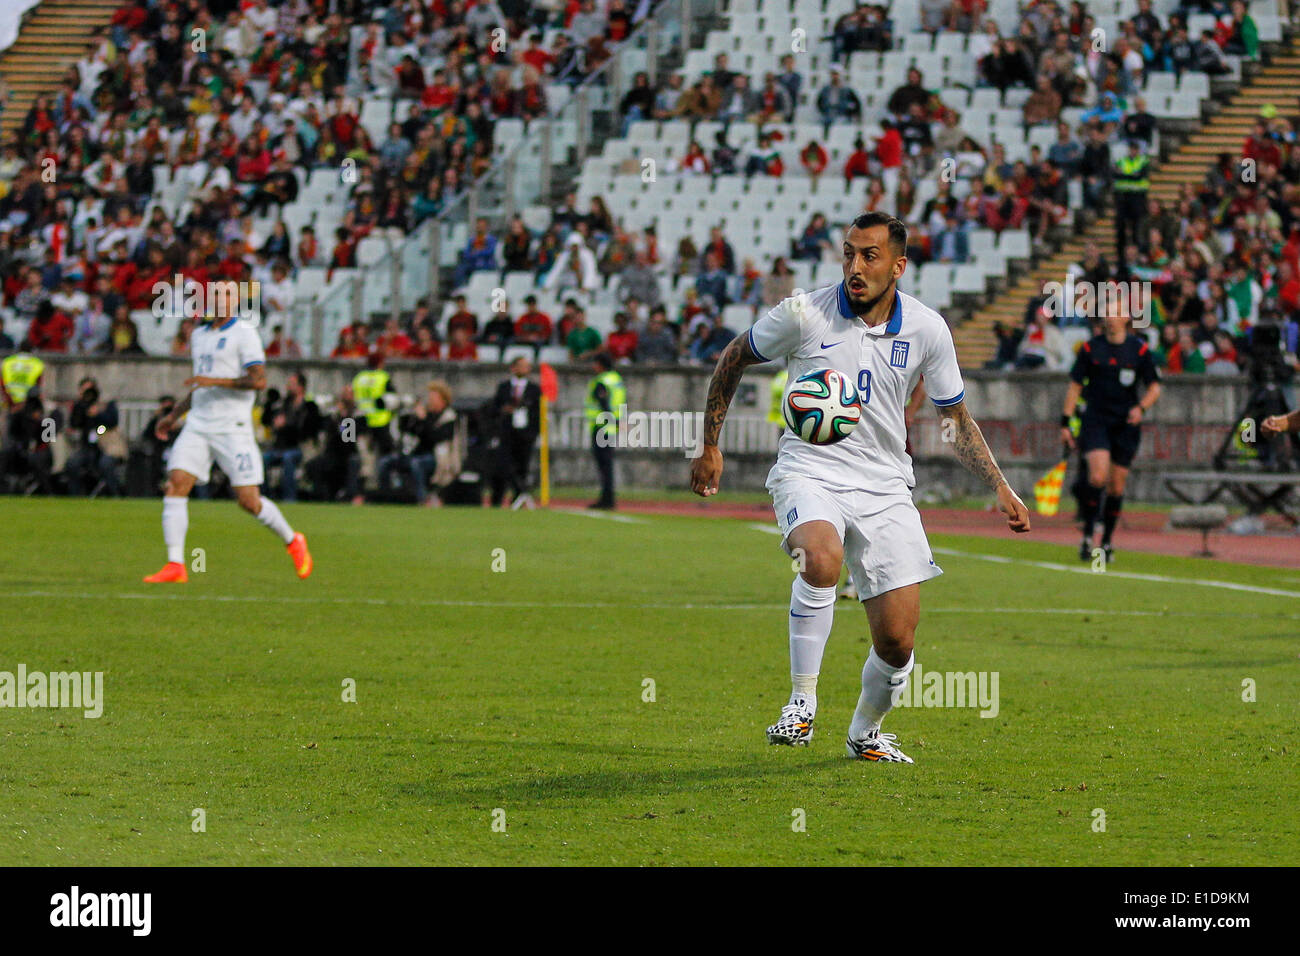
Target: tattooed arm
973 452
733 361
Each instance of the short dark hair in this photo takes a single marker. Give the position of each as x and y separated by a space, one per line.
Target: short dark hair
897 228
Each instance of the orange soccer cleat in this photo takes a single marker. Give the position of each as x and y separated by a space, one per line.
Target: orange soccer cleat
172 572
297 549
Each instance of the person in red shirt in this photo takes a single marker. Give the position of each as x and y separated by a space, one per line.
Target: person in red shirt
568 319
232 266
461 347
140 294
50 329
814 159
425 345
889 148
533 326
1288 286
350 345
651 245
308 247
345 253
393 342
621 344
281 345
254 163
537 56
618 23
462 319
195 268
695 160
1260 147
438 95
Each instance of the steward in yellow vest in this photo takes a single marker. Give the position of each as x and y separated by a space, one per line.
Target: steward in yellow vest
20 372
373 392
606 399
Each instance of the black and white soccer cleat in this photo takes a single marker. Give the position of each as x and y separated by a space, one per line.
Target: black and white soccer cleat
876 746
795 726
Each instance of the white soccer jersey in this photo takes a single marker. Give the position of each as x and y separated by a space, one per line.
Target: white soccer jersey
819 330
224 351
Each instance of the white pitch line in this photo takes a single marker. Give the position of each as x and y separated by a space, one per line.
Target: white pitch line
1073 569
621 519
1128 575
583 606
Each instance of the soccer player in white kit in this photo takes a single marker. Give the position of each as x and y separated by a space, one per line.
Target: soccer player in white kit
851 502
229 369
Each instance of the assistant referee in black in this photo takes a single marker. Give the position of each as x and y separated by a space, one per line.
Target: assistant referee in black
1108 372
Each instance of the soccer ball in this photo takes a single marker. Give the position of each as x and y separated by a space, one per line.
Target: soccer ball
822 407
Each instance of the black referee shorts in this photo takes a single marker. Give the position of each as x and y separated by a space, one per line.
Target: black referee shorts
1116 436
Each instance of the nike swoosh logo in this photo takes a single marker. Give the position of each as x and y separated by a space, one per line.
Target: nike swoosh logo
792 614
831 346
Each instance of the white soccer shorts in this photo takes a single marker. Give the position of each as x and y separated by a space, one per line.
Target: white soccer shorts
884 543
236 452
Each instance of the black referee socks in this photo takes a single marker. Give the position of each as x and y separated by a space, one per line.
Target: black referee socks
1110 515
1088 509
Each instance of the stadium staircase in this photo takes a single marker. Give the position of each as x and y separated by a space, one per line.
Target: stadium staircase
54 35
1276 82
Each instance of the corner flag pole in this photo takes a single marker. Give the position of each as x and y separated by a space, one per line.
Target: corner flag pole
550 385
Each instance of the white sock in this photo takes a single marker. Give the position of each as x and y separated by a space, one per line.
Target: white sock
812 611
175 522
882 686
271 517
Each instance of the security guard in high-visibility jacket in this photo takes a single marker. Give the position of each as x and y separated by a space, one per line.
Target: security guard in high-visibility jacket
21 372
606 400
373 392
1132 180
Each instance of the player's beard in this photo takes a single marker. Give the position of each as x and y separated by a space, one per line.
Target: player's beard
863 308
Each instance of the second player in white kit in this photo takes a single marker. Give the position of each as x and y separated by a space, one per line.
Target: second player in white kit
219 426
850 502
229 369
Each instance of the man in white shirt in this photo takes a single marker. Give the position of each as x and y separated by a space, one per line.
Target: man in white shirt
851 502
229 369
242 120
278 295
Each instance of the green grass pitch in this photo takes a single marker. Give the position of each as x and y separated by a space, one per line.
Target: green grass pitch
516 697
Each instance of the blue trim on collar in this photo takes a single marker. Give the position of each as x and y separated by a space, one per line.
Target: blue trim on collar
222 328
896 319
842 299
895 324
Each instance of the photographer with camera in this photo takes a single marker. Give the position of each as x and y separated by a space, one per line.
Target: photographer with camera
101 447
1270 376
